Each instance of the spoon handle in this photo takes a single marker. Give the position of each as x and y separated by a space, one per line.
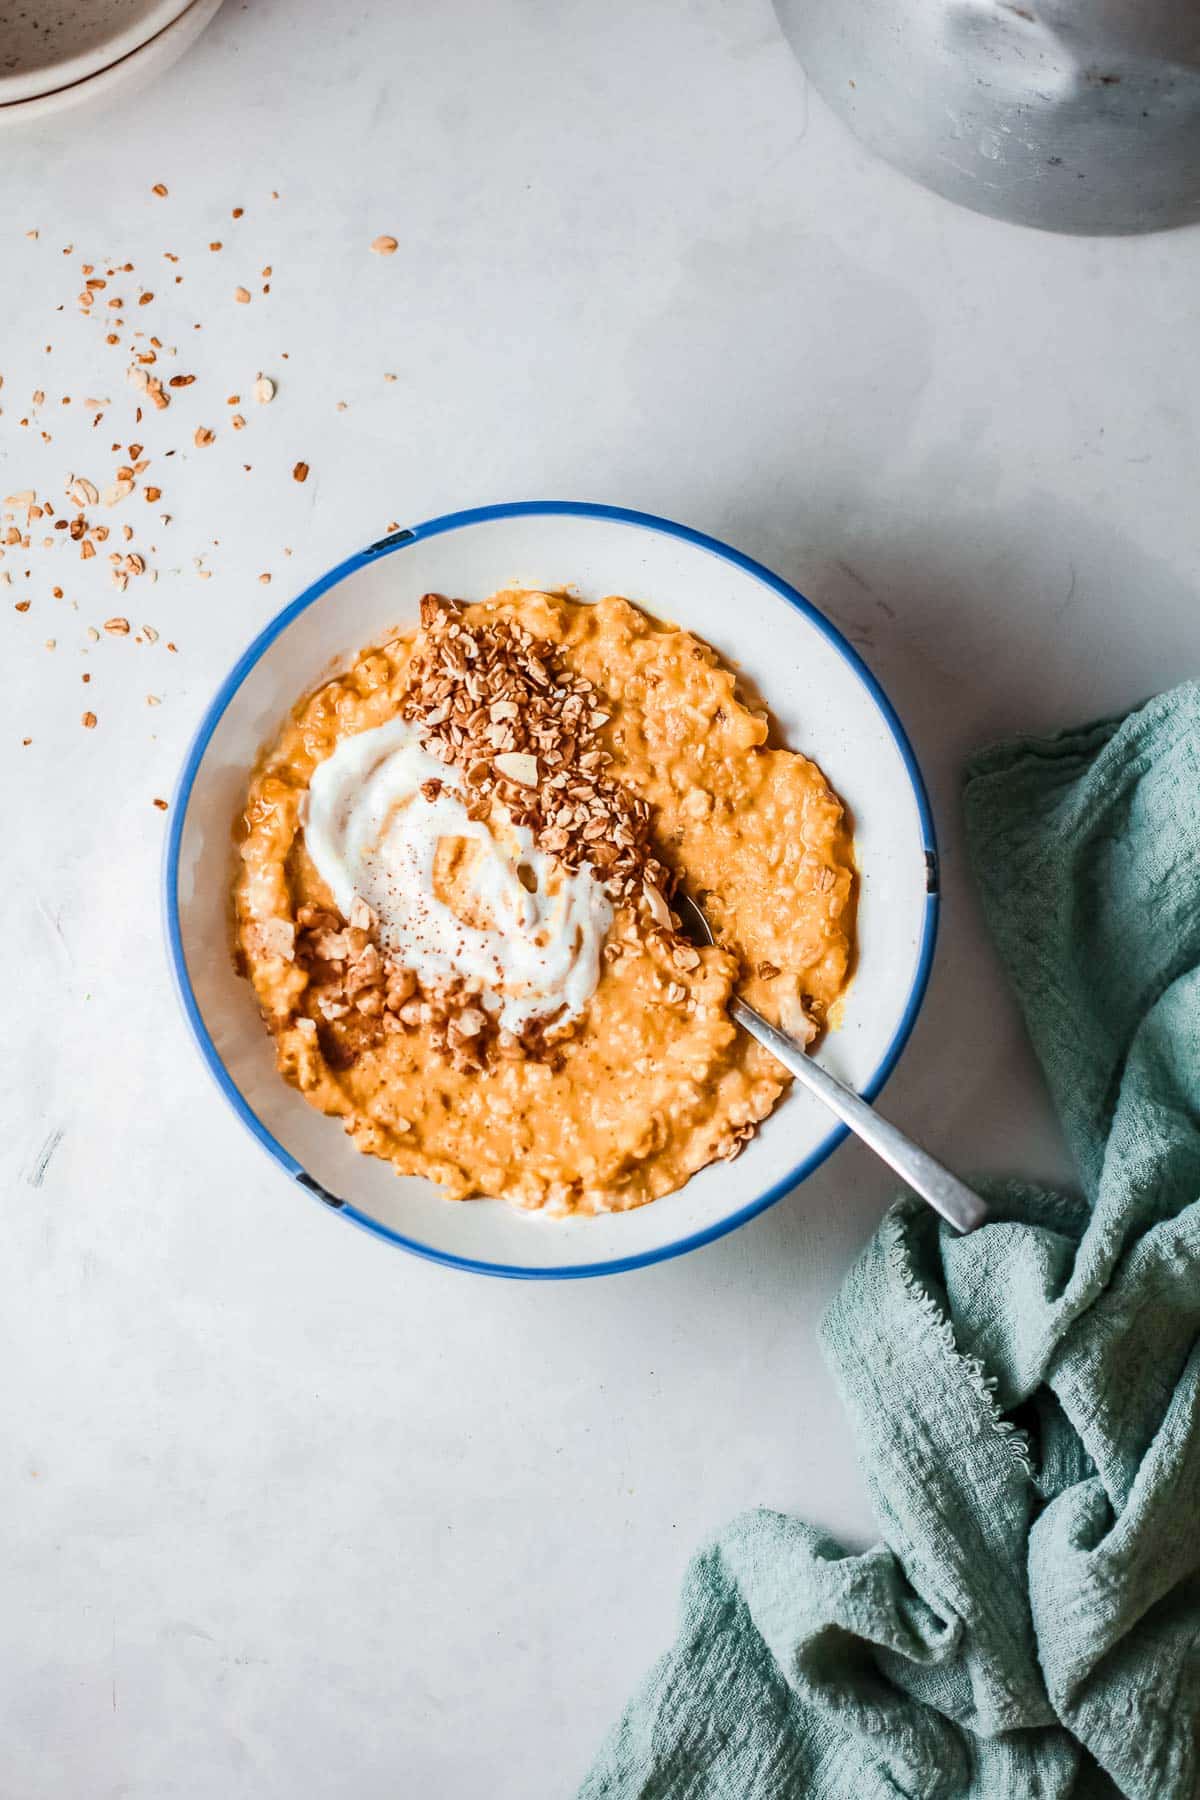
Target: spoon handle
927 1177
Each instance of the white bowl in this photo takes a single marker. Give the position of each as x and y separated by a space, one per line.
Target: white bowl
827 704
134 68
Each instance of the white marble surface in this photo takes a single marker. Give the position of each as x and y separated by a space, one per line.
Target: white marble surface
284 1512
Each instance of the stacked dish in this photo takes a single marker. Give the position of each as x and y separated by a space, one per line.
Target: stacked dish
71 53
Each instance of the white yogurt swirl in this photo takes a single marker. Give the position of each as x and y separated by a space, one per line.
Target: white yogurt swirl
371 832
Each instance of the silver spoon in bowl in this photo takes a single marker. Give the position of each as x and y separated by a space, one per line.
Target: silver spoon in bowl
923 1173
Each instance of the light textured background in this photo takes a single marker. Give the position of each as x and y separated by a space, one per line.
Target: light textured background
285 1513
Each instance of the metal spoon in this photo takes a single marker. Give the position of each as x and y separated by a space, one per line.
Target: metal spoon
927 1177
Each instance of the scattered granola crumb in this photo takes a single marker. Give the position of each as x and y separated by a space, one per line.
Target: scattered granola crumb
300 472
117 627
237 212
264 390
238 423
88 721
242 296
161 804
385 246
159 189
153 700
203 436
265 579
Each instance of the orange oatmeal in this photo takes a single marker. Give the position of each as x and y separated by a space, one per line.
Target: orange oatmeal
457 861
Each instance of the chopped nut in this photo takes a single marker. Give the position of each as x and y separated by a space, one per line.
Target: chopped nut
402 985
276 937
660 912
518 767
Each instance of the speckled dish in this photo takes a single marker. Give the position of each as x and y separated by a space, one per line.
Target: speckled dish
825 701
107 76
48 44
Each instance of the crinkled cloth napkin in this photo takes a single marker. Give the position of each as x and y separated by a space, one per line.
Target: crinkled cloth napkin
1024 1399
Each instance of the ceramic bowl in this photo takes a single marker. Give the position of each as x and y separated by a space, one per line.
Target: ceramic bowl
826 702
116 74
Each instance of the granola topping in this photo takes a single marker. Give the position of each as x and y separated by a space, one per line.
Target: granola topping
501 706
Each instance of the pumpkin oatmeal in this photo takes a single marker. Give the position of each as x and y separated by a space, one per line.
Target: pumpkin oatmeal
457 862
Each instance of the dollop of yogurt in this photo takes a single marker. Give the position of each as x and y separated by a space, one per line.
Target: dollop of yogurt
372 833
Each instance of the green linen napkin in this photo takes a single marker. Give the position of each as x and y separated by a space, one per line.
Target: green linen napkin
1024 1399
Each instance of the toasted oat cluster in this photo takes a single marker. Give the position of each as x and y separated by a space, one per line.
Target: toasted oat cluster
506 710
624 751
